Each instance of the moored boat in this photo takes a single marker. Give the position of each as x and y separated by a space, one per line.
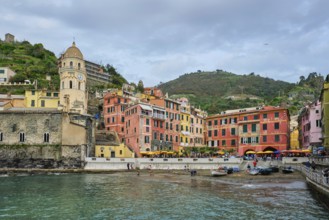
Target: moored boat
254 171
287 170
219 172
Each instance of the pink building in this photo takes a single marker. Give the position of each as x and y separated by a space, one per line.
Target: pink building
310 125
138 133
172 122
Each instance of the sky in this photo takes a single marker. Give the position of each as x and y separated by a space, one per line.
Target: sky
159 40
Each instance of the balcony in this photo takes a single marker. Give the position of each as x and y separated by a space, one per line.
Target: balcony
159 116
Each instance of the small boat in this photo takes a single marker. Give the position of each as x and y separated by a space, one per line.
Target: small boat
219 172
265 171
286 170
254 171
274 169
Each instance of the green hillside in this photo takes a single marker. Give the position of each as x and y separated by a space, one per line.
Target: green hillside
34 62
219 90
30 62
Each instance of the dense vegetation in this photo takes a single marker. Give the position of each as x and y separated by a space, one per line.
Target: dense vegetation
30 62
219 90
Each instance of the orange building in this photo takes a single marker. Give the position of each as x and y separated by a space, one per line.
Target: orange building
256 129
114 116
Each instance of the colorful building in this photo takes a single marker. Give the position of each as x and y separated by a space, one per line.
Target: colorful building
114 106
185 127
41 99
108 145
324 99
172 122
294 139
138 134
256 129
222 131
158 142
197 127
310 125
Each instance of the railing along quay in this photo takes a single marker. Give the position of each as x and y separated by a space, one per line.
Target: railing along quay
314 175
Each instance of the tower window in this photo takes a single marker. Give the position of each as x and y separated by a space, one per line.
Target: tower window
63 85
21 137
79 85
79 65
46 137
71 64
71 84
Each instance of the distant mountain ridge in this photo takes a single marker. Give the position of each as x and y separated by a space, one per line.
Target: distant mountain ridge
220 90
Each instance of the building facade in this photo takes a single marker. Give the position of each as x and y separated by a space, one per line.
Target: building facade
5 74
310 125
138 134
114 106
41 99
108 145
324 98
241 130
172 122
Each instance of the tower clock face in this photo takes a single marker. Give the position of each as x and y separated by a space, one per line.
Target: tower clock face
80 77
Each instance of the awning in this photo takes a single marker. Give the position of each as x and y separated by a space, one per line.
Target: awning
146 107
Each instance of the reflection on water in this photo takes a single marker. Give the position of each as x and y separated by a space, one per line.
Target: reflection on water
162 196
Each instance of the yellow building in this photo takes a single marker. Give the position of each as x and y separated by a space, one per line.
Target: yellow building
108 146
294 142
185 117
41 99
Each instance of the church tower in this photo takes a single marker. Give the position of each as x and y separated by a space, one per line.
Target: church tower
73 76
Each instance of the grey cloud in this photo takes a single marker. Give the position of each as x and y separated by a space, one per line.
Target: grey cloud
171 37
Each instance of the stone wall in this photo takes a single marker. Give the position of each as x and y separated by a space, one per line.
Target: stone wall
53 156
33 124
36 152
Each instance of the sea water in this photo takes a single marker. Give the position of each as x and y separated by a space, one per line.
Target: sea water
158 196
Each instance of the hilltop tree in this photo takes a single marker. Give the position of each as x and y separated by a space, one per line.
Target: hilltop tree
140 86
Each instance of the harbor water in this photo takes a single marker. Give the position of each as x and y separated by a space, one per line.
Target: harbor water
153 196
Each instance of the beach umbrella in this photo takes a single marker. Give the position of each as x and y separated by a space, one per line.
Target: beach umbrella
221 152
250 152
268 152
306 151
260 152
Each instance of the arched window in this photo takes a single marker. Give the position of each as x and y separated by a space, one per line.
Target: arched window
63 85
64 64
71 84
79 66
79 85
71 64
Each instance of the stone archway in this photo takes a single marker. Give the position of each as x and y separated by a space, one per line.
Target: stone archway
270 148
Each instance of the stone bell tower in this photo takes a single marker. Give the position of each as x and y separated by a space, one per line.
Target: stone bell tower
73 77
